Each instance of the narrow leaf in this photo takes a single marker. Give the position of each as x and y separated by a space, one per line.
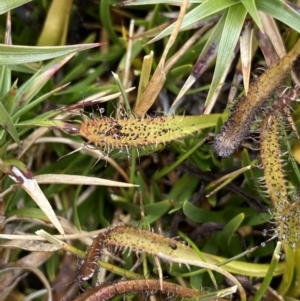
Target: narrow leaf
205 58
78 180
20 174
281 11
252 10
232 29
12 54
6 5
7 124
207 8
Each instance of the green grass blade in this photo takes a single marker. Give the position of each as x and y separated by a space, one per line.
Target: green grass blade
269 276
6 5
106 20
207 8
7 124
280 11
147 2
232 29
231 227
252 10
32 87
5 79
13 55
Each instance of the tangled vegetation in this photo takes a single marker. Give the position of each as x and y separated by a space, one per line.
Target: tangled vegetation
149 150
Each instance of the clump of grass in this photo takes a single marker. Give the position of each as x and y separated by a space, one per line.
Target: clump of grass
56 78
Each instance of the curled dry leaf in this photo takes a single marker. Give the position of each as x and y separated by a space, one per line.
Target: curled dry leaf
19 173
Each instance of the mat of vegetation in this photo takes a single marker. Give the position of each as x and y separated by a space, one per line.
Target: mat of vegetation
149 150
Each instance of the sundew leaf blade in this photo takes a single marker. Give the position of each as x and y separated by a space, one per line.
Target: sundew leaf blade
194 123
293 163
252 175
270 152
123 133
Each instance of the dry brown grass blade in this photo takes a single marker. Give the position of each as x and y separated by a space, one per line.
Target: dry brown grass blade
267 48
273 33
94 152
64 286
246 40
159 77
78 180
145 74
191 80
31 245
217 91
22 175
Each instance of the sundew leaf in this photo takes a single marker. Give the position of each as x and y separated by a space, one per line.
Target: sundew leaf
13 55
232 29
207 8
142 132
252 176
280 11
188 124
6 5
